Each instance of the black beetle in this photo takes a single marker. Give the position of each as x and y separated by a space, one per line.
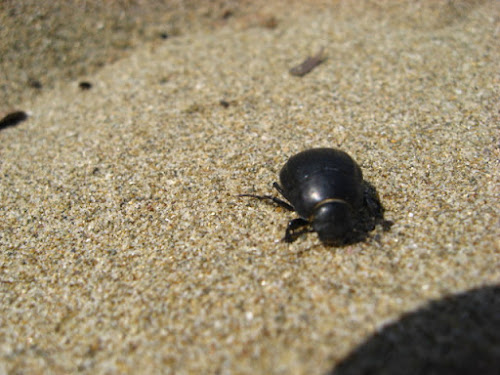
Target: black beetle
325 187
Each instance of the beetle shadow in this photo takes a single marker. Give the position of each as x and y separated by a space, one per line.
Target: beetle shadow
369 216
457 335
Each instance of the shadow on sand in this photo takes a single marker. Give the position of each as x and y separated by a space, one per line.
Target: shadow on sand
457 335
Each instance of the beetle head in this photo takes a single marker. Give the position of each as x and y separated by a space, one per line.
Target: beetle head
332 220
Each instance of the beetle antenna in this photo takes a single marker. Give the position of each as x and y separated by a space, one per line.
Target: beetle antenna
275 200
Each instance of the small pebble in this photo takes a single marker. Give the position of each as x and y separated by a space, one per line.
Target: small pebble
84 85
12 119
226 14
34 83
308 64
224 103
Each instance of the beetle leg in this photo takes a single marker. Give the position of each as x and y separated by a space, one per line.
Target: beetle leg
278 187
291 234
282 192
278 201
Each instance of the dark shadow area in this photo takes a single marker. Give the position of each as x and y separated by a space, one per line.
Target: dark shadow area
457 335
369 216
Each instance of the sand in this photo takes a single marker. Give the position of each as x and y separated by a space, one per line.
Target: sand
124 247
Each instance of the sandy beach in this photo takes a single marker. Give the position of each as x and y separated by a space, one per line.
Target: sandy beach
125 249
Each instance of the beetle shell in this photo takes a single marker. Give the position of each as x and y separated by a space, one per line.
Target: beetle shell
314 175
325 187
